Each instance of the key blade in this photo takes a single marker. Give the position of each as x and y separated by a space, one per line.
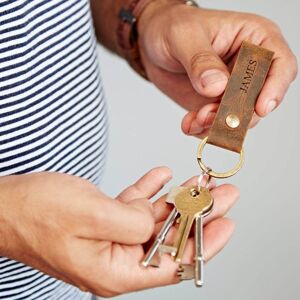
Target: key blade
199 256
186 223
148 260
155 261
190 203
167 249
199 267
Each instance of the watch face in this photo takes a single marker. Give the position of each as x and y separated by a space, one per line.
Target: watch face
191 2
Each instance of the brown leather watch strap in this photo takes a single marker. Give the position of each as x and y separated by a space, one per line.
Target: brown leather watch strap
127 34
238 102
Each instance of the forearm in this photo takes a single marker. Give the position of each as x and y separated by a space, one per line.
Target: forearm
6 198
105 15
106 19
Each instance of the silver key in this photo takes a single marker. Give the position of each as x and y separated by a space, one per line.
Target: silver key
153 255
196 271
186 272
199 257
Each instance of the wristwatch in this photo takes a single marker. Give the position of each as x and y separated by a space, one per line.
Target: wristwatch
191 3
127 34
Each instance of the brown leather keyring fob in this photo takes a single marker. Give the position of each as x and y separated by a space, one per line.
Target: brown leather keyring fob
237 105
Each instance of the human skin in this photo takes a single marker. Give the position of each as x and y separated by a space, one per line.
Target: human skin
66 227
188 54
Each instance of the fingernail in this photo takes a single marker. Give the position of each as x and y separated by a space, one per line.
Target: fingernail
210 77
195 129
209 120
271 106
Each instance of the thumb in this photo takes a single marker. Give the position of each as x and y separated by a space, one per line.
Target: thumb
126 223
207 72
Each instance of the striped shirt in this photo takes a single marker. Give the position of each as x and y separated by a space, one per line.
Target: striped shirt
52 111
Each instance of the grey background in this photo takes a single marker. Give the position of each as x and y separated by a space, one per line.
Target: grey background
262 259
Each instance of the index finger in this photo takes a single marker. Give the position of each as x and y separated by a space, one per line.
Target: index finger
282 73
147 186
109 220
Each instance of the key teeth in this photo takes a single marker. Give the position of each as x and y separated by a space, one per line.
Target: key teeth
167 249
180 271
155 261
199 283
186 272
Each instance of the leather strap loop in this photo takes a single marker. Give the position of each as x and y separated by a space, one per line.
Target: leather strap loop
238 102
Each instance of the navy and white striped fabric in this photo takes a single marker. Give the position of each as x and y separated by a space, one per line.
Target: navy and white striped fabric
52 111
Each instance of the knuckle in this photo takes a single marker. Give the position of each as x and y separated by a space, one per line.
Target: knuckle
177 28
83 288
295 66
200 59
236 193
187 22
148 228
148 231
265 25
158 170
271 25
102 292
160 173
290 72
265 21
97 216
144 217
107 287
107 294
97 220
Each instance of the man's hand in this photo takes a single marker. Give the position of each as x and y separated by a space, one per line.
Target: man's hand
65 227
188 53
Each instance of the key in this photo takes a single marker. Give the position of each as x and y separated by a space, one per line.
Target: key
152 257
199 257
190 203
174 191
186 272
189 271
148 260
157 249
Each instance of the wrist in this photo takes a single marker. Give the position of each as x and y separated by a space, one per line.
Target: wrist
133 18
7 198
151 10
156 7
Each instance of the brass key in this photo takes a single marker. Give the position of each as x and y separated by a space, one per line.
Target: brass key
193 204
190 203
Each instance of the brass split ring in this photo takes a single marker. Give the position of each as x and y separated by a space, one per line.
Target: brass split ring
212 173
